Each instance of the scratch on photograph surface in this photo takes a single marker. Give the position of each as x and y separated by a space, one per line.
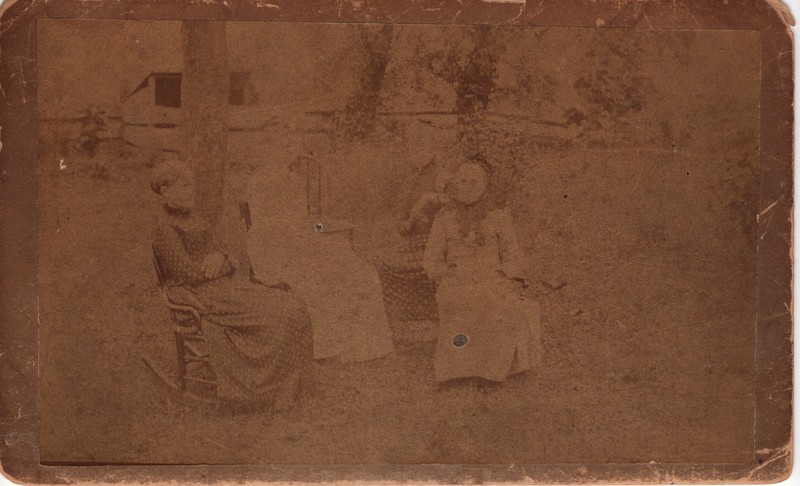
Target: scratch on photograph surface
521 11
525 473
22 83
31 34
8 3
539 9
15 419
659 474
776 316
768 208
766 227
786 290
779 453
647 19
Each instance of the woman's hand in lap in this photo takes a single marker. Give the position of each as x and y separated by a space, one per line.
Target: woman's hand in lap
214 265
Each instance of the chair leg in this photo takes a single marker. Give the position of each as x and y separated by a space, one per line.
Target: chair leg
180 347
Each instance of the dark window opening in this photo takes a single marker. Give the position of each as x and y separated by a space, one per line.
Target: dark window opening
168 90
241 91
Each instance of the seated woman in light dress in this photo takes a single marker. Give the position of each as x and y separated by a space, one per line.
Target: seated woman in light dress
488 329
258 336
312 254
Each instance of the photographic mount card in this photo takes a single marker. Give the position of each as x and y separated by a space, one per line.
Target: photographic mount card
349 241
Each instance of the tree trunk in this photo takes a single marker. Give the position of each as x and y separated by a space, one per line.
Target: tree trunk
204 104
474 86
362 108
473 80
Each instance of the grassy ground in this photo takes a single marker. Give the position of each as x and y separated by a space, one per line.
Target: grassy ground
645 333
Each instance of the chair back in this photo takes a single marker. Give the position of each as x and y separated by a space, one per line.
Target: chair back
313 185
244 210
161 274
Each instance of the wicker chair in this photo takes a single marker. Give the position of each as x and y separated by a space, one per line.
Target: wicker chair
193 364
408 293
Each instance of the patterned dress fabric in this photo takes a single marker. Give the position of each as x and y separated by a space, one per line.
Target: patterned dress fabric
258 338
408 293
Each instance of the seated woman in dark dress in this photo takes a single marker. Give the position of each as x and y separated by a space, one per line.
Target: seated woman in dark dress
258 336
408 293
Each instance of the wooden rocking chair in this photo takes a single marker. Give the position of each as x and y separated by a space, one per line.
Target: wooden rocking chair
192 361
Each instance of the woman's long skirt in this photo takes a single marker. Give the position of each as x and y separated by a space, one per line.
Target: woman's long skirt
487 330
259 339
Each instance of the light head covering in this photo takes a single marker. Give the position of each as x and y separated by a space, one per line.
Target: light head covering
169 170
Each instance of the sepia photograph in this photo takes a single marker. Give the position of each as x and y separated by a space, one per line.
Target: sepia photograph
387 243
